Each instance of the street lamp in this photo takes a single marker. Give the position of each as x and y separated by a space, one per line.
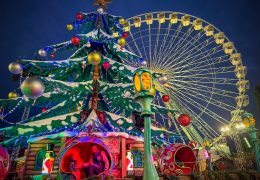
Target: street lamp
249 123
145 94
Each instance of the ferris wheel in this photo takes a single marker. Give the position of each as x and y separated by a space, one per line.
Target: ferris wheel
205 73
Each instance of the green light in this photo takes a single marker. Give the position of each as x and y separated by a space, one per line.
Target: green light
247 143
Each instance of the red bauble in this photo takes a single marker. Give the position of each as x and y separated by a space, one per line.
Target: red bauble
44 109
79 16
125 34
165 98
106 65
184 120
75 40
52 56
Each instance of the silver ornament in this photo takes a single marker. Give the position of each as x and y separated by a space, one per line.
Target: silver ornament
15 68
32 87
144 63
100 10
42 52
163 79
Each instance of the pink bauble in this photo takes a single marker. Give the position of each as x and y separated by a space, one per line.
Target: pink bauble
106 65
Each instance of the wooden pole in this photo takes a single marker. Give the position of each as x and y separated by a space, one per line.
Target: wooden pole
123 157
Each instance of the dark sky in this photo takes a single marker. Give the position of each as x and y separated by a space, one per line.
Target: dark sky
26 26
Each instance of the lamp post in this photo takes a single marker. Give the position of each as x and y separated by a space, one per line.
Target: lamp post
249 122
145 94
206 144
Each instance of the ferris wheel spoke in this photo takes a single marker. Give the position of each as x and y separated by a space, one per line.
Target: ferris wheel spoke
203 54
171 41
210 62
156 45
217 91
140 34
190 45
198 120
193 50
175 47
207 80
179 45
205 72
215 61
180 109
202 92
204 96
201 108
207 98
162 46
136 46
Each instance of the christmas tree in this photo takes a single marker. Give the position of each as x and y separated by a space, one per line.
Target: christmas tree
92 90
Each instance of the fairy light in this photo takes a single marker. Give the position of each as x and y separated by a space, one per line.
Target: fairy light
247 143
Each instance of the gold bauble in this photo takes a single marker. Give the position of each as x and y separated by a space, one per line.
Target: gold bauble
15 68
69 27
122 21
13 94
121 41
94 58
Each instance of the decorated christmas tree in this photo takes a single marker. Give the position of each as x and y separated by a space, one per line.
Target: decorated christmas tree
92 81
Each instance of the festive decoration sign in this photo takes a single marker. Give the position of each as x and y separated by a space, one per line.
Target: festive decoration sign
40 156
48 162
129 161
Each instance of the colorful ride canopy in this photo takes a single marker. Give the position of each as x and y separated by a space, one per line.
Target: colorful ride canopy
177 159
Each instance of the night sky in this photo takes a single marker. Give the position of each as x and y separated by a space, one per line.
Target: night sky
27 26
